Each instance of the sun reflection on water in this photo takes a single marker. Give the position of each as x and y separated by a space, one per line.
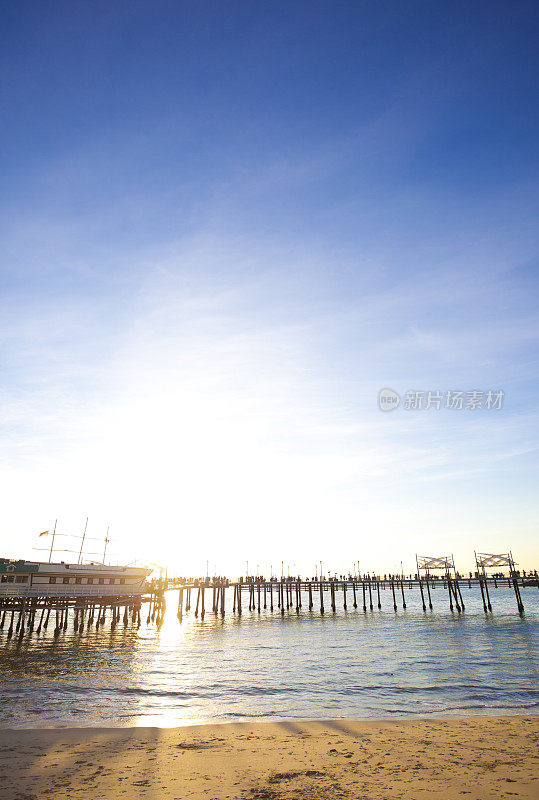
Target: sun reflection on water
262 665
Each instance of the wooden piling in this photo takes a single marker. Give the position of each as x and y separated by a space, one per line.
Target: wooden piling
456 584
180 605
452 588
393 590
487 595
428 592
403 598
482 594
520 604
422 595
40 620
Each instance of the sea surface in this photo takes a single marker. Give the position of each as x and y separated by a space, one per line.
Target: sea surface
347 664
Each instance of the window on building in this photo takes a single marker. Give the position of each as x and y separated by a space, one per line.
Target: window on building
78 580
101 580
90 580
111 580
122 580
52 580
21 579
65 580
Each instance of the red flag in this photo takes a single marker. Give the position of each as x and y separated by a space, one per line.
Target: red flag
45 533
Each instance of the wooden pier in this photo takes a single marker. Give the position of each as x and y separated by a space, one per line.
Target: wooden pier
366 593
24 612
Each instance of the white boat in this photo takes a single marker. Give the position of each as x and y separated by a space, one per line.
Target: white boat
42 579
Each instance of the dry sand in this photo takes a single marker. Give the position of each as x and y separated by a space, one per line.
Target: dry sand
479 758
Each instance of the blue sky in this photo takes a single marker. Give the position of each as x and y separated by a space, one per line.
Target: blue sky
226 226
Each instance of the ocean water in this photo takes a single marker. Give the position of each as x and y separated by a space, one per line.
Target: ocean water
263 666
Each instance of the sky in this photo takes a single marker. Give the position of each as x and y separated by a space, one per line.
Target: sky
225 227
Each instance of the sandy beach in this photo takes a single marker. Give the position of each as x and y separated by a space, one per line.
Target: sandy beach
481 757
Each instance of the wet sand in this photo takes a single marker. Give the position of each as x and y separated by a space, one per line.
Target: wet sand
477 757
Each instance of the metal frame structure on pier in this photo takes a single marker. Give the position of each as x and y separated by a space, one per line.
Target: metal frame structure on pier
484 561
445 564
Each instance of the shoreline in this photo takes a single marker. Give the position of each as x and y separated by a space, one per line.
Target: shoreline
262 720
483 756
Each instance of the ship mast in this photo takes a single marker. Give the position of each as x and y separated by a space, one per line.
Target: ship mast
52 543
83 538
106 543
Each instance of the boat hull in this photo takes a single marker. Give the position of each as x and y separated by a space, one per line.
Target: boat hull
40 579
